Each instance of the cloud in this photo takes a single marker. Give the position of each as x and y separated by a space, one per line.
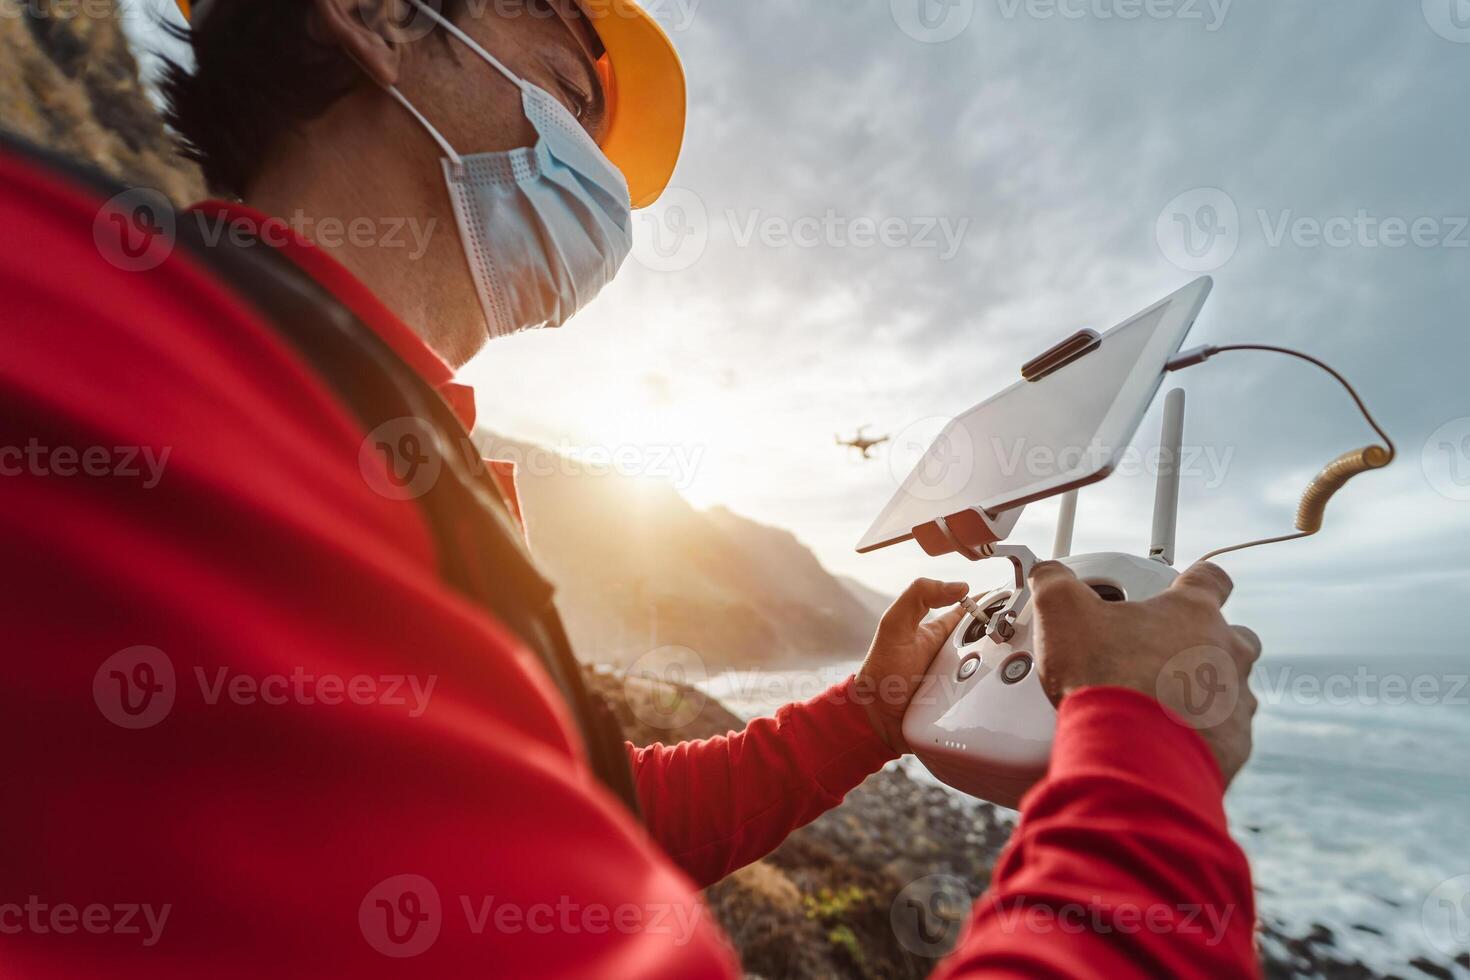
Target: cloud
1055 133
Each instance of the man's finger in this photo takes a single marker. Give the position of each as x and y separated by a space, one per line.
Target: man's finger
1052 582
1208 578
909 609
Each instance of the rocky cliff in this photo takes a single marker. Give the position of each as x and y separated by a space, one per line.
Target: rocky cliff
69 81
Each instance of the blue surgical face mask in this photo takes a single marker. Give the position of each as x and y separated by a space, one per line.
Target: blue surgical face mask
544 227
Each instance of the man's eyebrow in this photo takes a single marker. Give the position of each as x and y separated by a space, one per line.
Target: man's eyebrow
573 49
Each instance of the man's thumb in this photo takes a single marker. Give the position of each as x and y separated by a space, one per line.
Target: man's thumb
910 608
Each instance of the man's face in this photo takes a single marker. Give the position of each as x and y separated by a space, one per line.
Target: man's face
546 42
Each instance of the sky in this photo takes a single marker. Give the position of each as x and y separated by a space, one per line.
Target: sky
884 207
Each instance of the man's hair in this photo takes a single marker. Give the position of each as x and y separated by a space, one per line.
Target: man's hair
257 74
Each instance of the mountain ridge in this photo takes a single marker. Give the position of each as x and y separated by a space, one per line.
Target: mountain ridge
637 567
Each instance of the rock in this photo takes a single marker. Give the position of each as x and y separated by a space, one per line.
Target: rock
891 831
1431 969
1320 934
70 83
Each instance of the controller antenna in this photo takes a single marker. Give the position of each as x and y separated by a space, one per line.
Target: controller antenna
1066 521
1166 492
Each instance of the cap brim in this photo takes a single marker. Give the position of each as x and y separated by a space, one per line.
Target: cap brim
645 128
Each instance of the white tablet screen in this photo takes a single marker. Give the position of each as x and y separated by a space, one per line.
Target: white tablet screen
1039 437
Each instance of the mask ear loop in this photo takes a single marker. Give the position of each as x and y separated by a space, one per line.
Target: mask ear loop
402 100
438 136
469 42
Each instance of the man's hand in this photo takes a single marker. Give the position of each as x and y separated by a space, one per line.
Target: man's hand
1175 647
901 652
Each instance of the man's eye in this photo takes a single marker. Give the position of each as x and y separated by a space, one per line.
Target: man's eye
580 102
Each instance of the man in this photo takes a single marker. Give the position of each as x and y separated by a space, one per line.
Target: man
268 714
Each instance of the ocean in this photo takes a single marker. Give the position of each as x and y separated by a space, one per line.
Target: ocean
1354 807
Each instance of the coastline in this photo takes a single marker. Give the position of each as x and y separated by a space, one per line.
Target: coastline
822 904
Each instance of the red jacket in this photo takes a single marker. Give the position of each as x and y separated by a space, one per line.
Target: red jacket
248 731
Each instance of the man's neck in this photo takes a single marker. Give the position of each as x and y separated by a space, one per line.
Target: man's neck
382 211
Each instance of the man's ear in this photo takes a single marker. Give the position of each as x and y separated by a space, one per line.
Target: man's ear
364 30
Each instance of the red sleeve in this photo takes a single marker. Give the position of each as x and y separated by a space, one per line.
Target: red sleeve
720 803
1122 865
251 733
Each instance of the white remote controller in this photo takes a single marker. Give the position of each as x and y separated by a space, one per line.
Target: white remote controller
981 721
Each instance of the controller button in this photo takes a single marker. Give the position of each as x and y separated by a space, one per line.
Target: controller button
1016 668
968 666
